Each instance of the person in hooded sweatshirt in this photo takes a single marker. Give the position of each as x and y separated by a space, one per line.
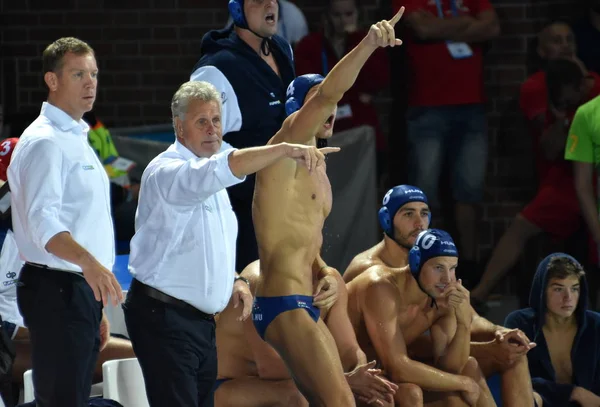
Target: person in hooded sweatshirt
251 68
565 364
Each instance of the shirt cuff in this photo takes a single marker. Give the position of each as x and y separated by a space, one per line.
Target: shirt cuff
46 230
223 171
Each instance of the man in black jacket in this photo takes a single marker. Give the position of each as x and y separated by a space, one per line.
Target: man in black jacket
251 67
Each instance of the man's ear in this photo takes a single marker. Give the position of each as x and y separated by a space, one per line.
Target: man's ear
178 128
51 80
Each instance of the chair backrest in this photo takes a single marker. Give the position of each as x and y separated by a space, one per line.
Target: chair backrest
28 395
123 382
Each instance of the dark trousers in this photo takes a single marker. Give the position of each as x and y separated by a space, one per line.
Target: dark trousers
176 350
63 319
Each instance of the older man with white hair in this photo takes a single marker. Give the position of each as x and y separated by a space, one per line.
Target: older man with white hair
183 252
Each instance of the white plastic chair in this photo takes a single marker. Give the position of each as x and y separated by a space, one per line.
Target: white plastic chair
28 394
28 386
124 382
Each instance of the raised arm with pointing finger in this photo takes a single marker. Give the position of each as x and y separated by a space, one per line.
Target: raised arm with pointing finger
309 108
289 208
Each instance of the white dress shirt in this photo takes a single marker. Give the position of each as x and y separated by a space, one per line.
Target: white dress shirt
185 229
58 184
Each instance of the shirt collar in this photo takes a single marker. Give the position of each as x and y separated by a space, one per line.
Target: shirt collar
183 150
63 121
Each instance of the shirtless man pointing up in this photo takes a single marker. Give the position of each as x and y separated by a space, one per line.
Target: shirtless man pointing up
289 209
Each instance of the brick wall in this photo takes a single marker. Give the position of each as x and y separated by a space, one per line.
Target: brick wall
146 48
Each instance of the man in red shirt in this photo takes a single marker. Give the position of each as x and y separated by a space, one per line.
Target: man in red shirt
318 52
446 113
548 100
7 147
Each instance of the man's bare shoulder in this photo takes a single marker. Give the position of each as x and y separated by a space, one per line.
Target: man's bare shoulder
362 262
286 132
377 283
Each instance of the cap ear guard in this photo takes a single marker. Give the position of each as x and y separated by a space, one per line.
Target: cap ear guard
414 260
298 89
384 220
291 106
236 10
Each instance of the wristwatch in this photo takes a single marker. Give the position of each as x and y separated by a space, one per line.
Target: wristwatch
244 279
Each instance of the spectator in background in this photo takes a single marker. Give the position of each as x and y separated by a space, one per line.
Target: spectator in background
583 147
565 364
548 100
319 52
251 68
587 35
10 266
446 113
124 190
2 121
291 24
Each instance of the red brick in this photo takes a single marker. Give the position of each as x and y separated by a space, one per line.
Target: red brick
511 12
14 35
125 18
126 33
160 48
131 110
165 33
127 48
50 19
172 17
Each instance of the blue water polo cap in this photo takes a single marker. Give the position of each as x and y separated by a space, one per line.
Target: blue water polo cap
297 90
236 11
429 244
395 199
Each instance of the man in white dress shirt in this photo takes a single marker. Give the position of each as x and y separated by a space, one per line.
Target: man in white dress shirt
63 228
183 252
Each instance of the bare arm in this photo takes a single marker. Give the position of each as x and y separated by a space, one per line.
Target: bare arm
302 126
452 336
250 160
450 352
482 330
484 27
428 27
554 138
64 246
585 192
101 280
381 319
341 329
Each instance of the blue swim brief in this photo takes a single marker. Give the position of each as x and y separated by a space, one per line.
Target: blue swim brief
218 384
266 309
